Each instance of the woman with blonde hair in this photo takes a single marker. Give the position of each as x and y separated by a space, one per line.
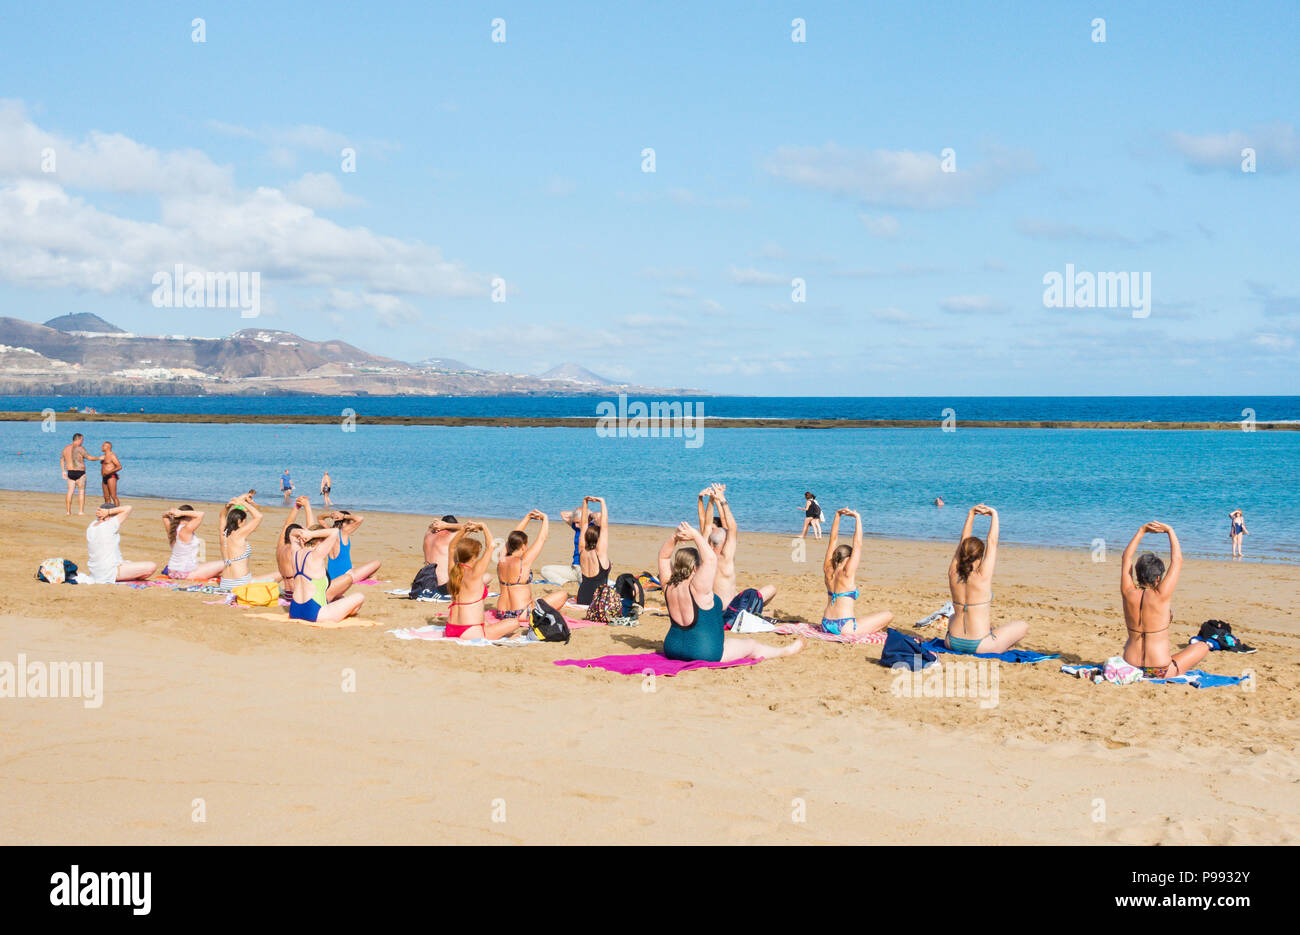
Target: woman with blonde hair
182 525
970 579
696 632
839 569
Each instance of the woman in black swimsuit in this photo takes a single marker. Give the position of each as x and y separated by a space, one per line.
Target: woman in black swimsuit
593 560
812 516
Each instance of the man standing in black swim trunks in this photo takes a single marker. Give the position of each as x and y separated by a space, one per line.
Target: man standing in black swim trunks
72 463
109 473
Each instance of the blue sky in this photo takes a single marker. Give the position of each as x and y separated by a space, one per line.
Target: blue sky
774 160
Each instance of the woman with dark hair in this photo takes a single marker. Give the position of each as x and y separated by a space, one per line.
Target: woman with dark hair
181 525
1237 530
970 579
696 632
239 518
1148 625
515 572
812 515
839 570
593 560
309 582
340 569
469 589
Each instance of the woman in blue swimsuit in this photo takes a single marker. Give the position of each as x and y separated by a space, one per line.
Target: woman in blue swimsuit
308 584
970 579
839 570
696 632
340 571
1237 530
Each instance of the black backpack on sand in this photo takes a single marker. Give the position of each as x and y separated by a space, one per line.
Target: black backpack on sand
548 626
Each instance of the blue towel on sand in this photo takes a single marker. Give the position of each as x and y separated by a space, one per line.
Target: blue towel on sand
1199 679
937 645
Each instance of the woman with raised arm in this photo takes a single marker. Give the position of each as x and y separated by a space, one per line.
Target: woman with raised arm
239 518
970 580
594 558
515 572
182 525
340 570
326 485
468 585
1148 624
696 632
839 570
310 556
1236 530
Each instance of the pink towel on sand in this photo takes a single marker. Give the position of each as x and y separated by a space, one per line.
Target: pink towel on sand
643 663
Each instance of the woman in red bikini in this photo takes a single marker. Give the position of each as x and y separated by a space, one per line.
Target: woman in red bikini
467 582
1147 592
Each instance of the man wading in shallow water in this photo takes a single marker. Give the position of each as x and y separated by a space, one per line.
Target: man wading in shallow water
72 463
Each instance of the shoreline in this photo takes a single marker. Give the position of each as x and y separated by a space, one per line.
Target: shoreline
593 422
787 539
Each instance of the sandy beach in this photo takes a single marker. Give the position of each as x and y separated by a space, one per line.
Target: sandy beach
445 743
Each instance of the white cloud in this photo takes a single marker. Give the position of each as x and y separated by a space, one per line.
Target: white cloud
753 277
895 178
50 237
962 304
320 190
880 225
1276 145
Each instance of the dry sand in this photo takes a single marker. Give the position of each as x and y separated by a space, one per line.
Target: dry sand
439 740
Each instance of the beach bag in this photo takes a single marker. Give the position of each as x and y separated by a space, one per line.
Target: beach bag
548 625
257 594
1118 671
425 583
629 589
1219 635
605 605
57 571
901 650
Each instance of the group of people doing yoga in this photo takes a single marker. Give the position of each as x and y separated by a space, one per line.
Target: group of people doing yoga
696 565
314 565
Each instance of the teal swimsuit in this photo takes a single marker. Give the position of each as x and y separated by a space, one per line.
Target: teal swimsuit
701 640
959 644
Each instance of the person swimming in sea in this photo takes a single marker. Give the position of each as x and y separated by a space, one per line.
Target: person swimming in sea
1146 590
970 580
838 571
309 599
696 632
1237 529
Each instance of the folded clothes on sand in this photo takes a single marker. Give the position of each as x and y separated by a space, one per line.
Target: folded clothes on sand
437 632
647 664
937 645
1194 677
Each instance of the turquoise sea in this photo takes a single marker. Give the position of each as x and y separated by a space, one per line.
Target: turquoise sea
1063 488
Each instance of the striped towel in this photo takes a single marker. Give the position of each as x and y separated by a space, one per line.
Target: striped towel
817 633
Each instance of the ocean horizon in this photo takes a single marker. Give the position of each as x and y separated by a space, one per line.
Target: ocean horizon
1066 488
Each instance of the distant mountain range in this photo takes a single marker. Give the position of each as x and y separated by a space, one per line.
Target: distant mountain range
83 354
